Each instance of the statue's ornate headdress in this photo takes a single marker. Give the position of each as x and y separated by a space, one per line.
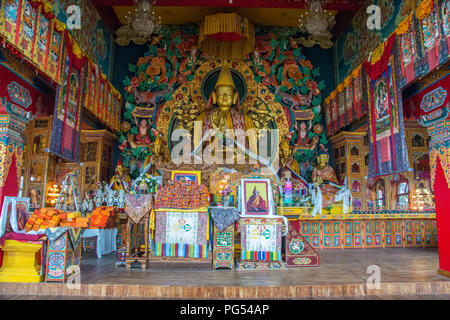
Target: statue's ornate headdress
225 77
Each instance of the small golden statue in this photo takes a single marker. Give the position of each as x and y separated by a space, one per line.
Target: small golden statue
224 116
121 180
322 175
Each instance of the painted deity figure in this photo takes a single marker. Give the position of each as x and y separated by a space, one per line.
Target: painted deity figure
142 139
381 102
224 116
322 175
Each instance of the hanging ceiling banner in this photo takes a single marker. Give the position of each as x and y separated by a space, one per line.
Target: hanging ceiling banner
53 58
357 93
101 88
407 53
91 92
65 139
334 114
341 106
432 103
11 15
348 83
327 107
27 33
42 38
387 143
444 10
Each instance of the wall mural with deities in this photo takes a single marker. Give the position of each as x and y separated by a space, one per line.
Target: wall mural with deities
355 44
170 87
93 37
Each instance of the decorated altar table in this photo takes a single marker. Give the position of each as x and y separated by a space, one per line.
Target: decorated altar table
105 240
182 233
341 231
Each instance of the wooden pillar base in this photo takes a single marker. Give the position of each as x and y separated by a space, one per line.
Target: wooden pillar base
21 262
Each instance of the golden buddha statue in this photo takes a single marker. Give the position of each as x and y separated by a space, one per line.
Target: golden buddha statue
323 174
121 180
226 117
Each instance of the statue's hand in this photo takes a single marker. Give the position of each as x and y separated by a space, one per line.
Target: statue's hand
318 180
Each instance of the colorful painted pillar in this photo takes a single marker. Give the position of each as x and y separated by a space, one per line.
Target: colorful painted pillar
440 180
12 123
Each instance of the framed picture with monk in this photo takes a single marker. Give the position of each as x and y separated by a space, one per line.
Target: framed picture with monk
256 197
194 176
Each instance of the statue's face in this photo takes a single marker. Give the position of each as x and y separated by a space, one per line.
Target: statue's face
225 96
143 128
323 160
284 149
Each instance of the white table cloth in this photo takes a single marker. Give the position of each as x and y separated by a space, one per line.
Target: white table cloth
106 240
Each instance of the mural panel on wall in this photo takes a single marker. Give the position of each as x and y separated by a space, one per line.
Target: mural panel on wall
93 38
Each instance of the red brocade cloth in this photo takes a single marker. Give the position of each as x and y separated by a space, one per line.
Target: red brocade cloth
22 237
376 70
418 99
14 90
226 36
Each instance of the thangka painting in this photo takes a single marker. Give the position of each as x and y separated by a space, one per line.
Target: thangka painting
100 97
387 146
349 103
54 52
334 116
66 124
445 18
406 56
358 95
42 39
11 17
108 115
89 100
30 13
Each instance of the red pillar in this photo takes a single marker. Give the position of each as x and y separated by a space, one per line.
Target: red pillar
442 199
11 187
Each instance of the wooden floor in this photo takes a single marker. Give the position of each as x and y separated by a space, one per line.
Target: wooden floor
336 267
342 273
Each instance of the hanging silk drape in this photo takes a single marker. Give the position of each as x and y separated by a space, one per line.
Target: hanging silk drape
226 35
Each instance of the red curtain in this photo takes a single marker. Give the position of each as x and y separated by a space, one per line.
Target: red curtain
442 200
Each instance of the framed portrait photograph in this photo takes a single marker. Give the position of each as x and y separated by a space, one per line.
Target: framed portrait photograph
19 216
9 206
180 175
256 197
